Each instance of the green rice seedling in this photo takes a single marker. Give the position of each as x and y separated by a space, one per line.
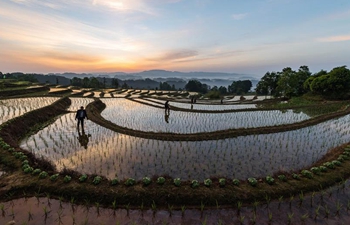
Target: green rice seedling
315 170
202 206
154 206
59 216
114 181
268 199
282 177
43 175
239 207
67 179
46 212
253 219
97 180
217 204
290 217
97 204
270 180
170 209
304 217
327 211
130 182
341 158
183 208
280 199
2 208
329 165
296 176
83 178
222 182
177 182
194 183
28 169
317 212
301 198
291 198
30 215
146 181
208 182
160 180
338 206
323 169
255 205
270 217
241 219
336 162
307 173
54 177
252 181
205 221
235 182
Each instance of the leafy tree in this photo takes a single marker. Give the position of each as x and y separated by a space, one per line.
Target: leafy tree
86 82
75 81
240 87
335 84
125 86
299 79
268 84
285 82
115 83
196 86
94 83
223 90
307 83
215 88
26 77
291 83
164 86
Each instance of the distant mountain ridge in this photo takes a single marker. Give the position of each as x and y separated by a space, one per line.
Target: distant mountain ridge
152 74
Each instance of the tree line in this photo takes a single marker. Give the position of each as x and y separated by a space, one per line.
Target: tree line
288 83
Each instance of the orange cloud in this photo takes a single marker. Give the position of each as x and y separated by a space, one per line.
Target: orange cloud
335 38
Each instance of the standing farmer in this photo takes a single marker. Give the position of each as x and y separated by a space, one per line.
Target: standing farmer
167 107
80 116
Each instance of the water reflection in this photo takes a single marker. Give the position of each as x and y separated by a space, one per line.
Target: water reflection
166 116
83 138
112 154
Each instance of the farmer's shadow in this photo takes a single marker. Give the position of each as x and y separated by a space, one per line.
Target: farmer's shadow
83 138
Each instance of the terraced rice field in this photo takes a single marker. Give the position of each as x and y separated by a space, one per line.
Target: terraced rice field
112 154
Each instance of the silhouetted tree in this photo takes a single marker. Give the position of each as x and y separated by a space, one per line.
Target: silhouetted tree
196 86
240 87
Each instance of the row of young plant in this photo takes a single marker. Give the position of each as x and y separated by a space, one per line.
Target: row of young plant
77 102
177 181
11 108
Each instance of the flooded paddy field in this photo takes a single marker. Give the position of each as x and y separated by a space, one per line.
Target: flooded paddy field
100 151
133 115
11 108
111 154
331 206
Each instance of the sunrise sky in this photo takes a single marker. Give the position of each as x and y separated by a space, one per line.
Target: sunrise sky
250 36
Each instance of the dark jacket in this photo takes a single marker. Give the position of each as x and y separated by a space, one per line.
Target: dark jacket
81 114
